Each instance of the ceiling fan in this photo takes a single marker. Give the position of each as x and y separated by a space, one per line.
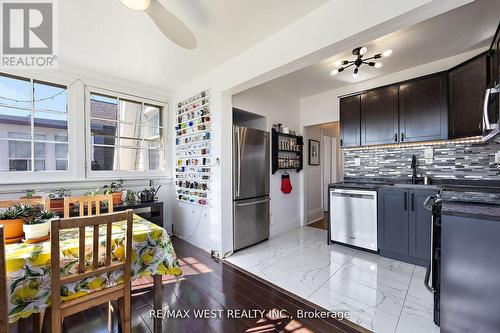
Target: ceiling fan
167 22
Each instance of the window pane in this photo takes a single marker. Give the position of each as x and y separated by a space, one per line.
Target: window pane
130 111
103 158
154 159
46 99
39 165
131 159
102 127
61 164
152 115
14 120
18 155
16 91
103 107
152 132
61 151
130 142
51 125
39 150
130 130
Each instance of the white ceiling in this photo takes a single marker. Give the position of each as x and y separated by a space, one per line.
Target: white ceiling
107 37
463 29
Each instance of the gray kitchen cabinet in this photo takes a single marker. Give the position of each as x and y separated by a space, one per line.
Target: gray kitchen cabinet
404 225
393 220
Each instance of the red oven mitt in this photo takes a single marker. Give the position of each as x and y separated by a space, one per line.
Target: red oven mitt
286 185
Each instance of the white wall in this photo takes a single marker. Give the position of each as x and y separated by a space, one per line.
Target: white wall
278 107
312 174
324 107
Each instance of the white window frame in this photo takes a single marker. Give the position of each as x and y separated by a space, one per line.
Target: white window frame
7 177
113 174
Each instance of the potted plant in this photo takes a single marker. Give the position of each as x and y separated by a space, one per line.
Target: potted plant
57 198
115 188
37 225
131 197
31 194
12 224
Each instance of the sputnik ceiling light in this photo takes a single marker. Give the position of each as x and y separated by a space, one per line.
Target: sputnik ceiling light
359 52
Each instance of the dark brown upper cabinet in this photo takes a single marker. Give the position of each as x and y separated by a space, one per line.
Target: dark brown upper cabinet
423 110
467 85
350 121
379 116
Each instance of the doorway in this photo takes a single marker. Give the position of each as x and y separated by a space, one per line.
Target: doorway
318 175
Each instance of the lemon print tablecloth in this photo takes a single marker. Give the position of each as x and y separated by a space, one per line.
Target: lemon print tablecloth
28 266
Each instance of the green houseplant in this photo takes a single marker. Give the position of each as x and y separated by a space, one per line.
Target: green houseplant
57 198
12 220
115 188
37 225
30 194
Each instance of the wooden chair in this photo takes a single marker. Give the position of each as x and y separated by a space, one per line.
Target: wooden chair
89 202
45 202
121 292
4 301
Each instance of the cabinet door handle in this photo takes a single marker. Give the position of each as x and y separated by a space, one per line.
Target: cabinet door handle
396 137
402 137
341 142
413 202
406 201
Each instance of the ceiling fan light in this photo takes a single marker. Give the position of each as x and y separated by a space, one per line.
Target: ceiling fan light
379 65
338 63
334 72
386 53
363 51
137 4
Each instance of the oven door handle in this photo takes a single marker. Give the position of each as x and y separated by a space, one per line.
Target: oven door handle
427 278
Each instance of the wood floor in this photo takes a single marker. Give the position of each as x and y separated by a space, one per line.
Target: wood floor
210 284
320 224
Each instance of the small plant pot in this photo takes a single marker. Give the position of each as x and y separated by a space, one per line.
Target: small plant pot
57 205
117 197
12 228
34 231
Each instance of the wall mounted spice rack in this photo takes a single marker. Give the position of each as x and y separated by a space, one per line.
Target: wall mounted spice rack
287 151
193 175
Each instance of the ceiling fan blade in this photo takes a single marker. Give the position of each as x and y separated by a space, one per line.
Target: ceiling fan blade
171 26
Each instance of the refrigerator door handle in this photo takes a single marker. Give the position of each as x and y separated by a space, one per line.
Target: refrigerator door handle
238 159
252 203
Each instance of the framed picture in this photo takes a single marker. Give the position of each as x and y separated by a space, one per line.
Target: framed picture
313 152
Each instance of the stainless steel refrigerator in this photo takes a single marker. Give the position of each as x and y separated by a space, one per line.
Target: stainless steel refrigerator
250 186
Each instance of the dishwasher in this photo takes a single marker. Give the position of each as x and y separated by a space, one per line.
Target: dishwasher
353 217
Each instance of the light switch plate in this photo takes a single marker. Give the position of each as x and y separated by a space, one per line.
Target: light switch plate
497 157
429 153
357 161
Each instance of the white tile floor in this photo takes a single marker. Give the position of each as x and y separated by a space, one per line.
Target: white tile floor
382 295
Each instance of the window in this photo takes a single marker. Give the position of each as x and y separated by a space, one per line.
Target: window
125 134
33 125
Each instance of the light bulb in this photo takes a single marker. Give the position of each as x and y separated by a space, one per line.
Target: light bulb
363 50
338 63
334 72
386 53
137 4
354 75
378 65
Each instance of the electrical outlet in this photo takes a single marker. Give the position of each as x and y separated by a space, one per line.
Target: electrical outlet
357 161
428 153
497 157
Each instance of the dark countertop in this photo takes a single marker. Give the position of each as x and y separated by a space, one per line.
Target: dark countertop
471 209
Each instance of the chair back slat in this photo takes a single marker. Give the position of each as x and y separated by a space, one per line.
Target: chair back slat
44 202
81 223
87 203
4 314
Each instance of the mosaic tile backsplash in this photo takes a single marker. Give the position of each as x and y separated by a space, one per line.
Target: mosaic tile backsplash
451 161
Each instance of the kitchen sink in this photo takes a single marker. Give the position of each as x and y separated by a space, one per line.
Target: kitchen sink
415 186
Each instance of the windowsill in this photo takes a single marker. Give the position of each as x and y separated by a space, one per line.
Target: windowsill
79 180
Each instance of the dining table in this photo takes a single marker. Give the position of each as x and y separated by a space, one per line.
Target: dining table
29 276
